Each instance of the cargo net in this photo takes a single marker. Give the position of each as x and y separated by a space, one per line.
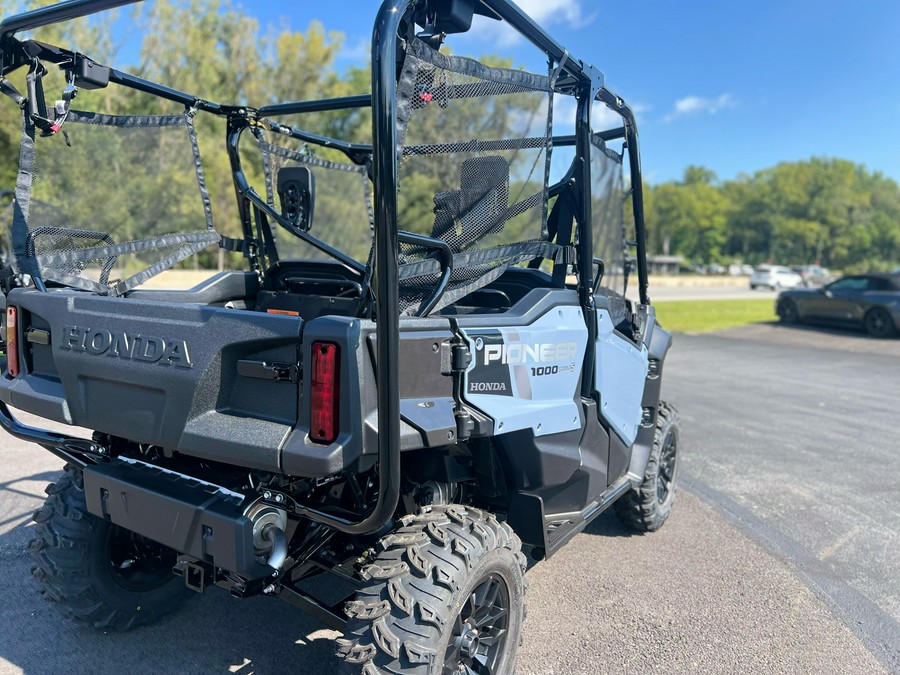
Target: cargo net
342 216
608 213
110 201
475 150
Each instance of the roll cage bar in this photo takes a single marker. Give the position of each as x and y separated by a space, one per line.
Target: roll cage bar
577 78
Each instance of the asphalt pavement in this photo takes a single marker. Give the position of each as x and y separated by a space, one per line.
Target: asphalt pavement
792 434
712 292
782 554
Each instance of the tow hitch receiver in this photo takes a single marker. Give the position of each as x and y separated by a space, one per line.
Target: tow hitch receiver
195 577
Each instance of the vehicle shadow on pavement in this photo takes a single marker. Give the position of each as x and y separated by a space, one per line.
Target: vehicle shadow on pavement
15 491
605 525
826 329
608 525
213 633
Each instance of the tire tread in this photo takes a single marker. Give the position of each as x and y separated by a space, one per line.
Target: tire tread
62 550
416 598
639 508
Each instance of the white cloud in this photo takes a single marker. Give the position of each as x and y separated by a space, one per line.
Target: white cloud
692 105
544 12
602 118
564 110
357 53
640 108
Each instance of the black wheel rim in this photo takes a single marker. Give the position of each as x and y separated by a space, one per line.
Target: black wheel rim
665 481
136 563
480 631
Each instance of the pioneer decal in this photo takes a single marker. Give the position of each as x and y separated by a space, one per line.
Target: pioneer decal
527 377
516 353
130 346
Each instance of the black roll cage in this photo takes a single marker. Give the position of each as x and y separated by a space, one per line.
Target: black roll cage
576 77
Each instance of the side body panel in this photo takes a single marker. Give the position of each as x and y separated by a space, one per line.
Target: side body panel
658 342
619 378
527 377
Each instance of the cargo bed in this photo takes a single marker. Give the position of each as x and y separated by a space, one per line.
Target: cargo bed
205 380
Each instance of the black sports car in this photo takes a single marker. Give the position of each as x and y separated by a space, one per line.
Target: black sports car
871 301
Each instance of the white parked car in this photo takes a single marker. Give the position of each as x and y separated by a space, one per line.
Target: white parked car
740 270
774 277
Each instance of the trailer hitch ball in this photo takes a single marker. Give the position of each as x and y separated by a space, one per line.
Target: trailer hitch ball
269 538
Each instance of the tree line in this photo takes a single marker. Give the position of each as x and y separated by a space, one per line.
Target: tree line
830 211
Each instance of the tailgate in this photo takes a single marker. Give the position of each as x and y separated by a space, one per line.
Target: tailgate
192 378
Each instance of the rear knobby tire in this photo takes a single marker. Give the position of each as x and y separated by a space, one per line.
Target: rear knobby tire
646 507
95 572
445 585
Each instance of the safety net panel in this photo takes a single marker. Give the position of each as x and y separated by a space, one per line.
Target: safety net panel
108 201
41 211
475 151
607 213
317 190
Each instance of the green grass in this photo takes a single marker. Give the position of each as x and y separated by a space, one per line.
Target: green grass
701 316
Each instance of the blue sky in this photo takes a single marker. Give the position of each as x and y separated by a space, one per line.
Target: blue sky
735 87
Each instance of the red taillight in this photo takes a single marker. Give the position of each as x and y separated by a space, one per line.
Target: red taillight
12 341
325 392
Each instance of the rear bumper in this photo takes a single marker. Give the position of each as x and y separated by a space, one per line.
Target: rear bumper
68 448
196 518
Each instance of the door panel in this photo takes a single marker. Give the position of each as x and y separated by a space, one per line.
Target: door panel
619 378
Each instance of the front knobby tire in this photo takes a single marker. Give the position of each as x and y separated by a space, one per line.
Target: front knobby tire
95 572
646 507
445 594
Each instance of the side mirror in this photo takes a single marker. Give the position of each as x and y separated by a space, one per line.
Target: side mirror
297 193
599 269
827 293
